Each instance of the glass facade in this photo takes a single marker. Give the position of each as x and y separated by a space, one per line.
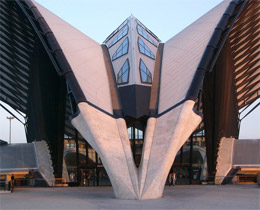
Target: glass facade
136 137
144 49
122 34
83 164
141 32
122 49
146 76
190 163
123 74
85 168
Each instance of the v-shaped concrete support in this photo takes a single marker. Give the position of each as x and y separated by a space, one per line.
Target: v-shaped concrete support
163 138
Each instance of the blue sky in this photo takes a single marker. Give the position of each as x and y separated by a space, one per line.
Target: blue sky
98 18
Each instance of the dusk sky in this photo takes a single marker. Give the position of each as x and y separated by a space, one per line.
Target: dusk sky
98 18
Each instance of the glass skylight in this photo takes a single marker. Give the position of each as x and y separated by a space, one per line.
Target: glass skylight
122 49
144 49
123 74
146 76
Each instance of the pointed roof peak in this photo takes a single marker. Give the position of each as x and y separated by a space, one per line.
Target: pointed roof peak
131 16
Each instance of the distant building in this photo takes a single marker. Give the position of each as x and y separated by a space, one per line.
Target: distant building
133 100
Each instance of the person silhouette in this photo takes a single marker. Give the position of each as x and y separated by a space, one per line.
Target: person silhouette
12 183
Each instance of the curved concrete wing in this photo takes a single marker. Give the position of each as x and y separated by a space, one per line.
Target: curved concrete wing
182 55
85 57
215 61
165 134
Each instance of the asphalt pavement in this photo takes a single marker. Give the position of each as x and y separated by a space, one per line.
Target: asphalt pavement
178 197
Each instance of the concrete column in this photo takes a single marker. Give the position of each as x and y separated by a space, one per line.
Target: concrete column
164 136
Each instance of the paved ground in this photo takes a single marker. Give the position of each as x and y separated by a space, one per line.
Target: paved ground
178 197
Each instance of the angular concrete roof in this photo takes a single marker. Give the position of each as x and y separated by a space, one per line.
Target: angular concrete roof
85 57
182 55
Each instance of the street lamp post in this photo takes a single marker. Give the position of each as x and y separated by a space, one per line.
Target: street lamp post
10 118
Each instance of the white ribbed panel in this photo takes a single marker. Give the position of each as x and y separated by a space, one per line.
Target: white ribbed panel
85 57
182 54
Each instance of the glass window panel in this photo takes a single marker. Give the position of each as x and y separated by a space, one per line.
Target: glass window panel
129 132
141 134
123 74
125 77
122 49
136 133
141 49
115 31
151 33
144 49
125 67
141 31
122 34
142 65
146 76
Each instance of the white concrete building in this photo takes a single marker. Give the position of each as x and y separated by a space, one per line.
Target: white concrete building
195 83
